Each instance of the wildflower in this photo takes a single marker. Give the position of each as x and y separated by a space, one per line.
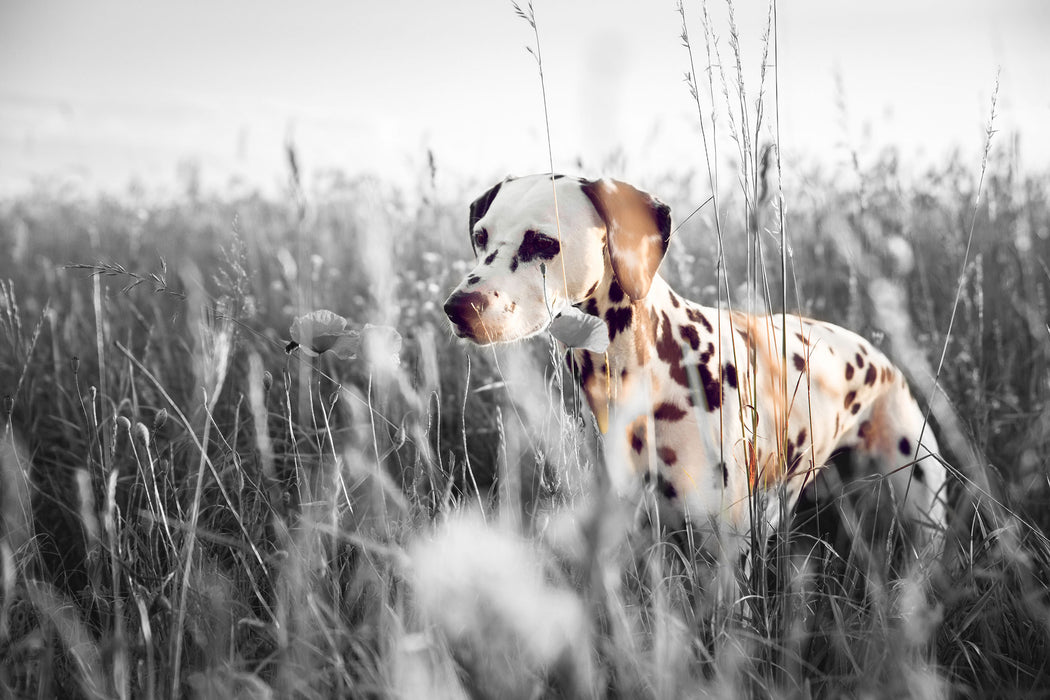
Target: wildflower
324 331
579 330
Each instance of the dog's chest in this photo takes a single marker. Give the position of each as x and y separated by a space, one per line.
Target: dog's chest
661 387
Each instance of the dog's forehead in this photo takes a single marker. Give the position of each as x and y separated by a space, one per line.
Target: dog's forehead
529 203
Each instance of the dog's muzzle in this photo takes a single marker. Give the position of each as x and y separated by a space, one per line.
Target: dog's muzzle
464 309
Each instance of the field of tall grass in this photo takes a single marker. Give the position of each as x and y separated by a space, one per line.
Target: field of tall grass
190 507
194 505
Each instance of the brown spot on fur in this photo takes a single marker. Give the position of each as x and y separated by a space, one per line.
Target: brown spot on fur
666 488
854 409
849 399
586 368
667 455
871 375
849 371
674 300
801 439
668 350
730 375
705 356
802 339
904 446
865 433
615 292
800 364
690 335
637 441
669 412
618 319
697 317
860 361
595 385
711 386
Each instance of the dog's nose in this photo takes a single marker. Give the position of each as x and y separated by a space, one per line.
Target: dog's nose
461 307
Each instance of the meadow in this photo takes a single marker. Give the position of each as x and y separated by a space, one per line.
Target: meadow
194 505
191 508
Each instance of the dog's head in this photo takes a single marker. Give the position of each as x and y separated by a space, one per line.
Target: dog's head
599 228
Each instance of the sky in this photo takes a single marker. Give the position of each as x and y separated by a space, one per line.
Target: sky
99 94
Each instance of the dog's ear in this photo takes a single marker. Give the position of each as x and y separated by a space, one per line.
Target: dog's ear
480 206
638 227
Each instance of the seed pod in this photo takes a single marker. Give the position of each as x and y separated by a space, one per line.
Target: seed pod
160 419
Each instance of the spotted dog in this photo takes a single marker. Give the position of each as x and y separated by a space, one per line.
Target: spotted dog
720 421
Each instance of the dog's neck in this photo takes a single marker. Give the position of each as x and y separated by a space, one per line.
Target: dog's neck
611 377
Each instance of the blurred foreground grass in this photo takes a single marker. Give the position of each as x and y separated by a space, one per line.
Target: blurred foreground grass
189 509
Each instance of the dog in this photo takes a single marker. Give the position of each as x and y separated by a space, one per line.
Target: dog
725 416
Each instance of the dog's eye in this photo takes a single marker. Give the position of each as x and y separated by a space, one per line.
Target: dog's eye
481 238
546 246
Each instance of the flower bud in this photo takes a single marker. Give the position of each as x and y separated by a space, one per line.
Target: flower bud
160 419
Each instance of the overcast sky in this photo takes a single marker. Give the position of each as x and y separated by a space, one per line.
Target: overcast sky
100 92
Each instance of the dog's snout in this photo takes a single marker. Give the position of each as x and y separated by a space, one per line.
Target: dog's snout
461 307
